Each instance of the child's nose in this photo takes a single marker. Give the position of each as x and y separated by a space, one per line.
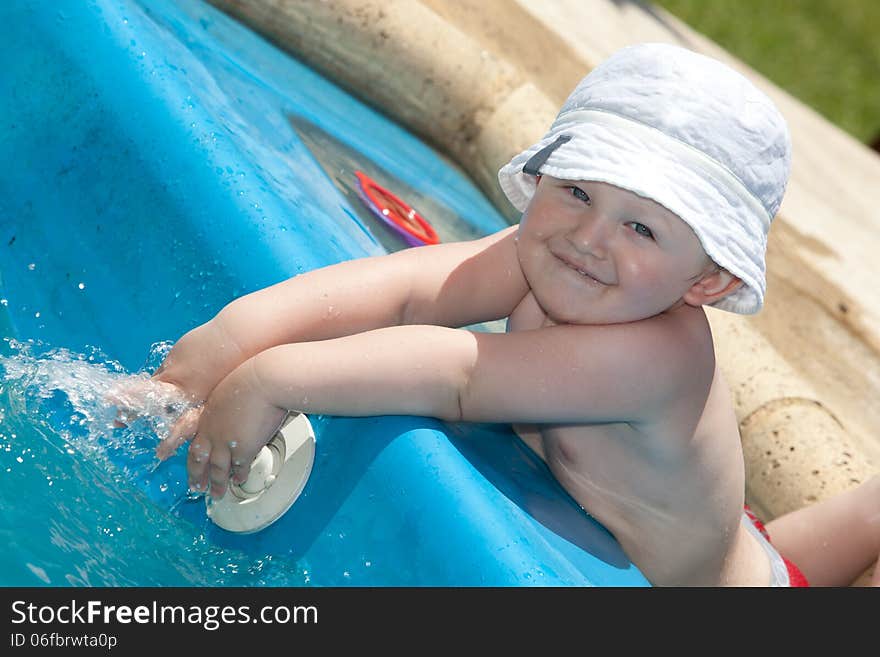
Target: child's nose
591 236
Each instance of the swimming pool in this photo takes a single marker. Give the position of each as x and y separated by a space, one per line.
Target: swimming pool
160 161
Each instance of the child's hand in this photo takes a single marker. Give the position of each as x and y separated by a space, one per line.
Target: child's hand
138 397
182 430
235 423
197 362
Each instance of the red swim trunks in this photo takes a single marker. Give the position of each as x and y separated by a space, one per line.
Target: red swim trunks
795 576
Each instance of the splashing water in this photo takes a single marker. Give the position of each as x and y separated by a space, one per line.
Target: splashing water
85 502
84 388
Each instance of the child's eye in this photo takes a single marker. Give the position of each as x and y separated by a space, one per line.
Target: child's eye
642 229
580 194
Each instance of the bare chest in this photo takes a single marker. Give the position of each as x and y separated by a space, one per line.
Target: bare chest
603 462
621 475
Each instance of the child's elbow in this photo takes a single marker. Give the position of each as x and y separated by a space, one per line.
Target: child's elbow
447 399
452 375
455 408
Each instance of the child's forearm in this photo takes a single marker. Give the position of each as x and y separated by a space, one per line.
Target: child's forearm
412 370
330 302
452 284
324 303
406 370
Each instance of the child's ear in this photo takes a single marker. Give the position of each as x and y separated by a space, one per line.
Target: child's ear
711 288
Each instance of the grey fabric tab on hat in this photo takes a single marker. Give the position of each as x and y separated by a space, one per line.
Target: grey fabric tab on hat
536 161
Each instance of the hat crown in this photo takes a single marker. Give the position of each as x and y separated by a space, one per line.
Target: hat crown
700 102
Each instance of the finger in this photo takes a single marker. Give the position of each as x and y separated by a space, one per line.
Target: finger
241 462
121 419
183 430
125 396
198 464
219 472
124 417
117 395
178 435
240 470
243 458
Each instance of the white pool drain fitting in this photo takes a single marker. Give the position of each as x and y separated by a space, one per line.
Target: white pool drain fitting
278 475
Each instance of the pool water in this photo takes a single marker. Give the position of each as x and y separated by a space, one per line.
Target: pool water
70 514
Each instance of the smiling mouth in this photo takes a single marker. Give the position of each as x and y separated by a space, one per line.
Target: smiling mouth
580 271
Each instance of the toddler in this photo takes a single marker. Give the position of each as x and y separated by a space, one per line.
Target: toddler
650 197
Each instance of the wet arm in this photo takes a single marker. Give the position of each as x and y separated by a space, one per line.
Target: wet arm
563 374
550 375
450 285
412 370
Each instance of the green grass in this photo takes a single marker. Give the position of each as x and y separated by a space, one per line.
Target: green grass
824 52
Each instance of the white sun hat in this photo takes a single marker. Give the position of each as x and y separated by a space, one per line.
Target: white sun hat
685 131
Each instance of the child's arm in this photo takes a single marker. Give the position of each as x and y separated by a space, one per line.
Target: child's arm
451 284
562 374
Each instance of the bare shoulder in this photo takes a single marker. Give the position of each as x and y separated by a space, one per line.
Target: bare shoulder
634 372
666 360
464 283
680 354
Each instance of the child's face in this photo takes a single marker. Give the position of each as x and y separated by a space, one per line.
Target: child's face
594 253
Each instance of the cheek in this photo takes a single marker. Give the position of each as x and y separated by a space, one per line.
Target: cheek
528 251
544 217
532 239
640 271
532 225
646 278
